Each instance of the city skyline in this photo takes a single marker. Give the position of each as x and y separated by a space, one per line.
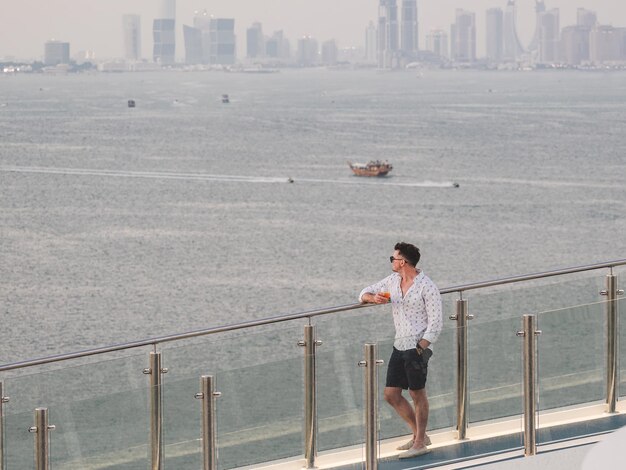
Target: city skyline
324 20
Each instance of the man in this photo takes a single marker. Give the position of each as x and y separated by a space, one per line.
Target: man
417 316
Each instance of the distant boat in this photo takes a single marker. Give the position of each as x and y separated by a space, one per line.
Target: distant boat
131 103
225 99
371 168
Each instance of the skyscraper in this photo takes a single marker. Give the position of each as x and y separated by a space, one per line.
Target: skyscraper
131 25
586 18
495 34
193 45
540 7
307 53
575 44
255 42
277 46
408 32
387 34
370 43
56 52
210 40
463 36
437 42
163 32
606 44
549 36
329 52
512 46
223 41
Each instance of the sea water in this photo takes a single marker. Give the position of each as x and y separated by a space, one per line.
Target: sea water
122 223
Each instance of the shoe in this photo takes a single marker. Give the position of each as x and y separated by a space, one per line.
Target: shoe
409 444
405 446
411 453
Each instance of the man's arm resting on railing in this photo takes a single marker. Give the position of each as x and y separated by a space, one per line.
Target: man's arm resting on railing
368 298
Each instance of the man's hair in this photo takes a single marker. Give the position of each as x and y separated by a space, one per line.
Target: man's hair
410 252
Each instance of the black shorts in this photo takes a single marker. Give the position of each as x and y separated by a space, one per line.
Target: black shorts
407 369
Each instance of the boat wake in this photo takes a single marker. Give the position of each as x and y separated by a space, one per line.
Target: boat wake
220 178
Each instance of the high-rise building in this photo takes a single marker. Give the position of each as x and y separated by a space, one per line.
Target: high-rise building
210 40
370 43
163 33
329 52
131 25
512 45
388 34
255 42
437 43
549 37
56 52
193 45
202 22
495 34
586 18
277 47
575 44
463 36
606 44
540 7
409 31
307 54
223 48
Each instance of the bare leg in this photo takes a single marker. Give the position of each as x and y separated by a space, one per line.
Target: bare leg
393 396
421 416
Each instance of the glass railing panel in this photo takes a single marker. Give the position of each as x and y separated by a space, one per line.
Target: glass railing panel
259 373
84 378
571 366
340 380
182 423
572 356
260 411
538 295
495 369
18 442
99 427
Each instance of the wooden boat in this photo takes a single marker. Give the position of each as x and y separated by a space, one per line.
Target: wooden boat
371 168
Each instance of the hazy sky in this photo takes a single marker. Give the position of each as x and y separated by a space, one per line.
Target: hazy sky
96 24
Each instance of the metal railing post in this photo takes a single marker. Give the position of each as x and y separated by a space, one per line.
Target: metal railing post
371 405
612 335
310 401
209 428
3 400
42 439
530 380
156 409
461 316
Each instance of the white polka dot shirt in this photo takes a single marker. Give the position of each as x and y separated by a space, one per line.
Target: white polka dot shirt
417 315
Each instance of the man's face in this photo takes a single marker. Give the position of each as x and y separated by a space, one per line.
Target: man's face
397 262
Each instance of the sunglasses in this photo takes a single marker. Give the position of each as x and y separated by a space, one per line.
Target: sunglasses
392 259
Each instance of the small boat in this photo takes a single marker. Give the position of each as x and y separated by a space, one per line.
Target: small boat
371 168
131 103
225 99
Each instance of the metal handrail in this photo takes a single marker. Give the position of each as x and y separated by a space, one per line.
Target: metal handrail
283 318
